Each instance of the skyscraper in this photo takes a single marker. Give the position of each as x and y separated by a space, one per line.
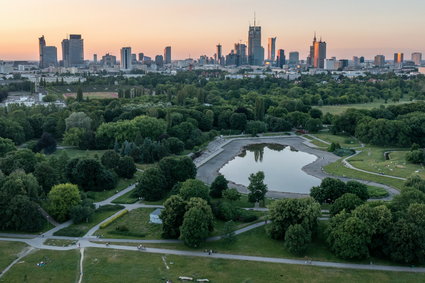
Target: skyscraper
240 51
73 51
95 59
398 58
167 55
255 50
219 54
50 56
379 61
317 53
109 60
271 49
125 58
417 58
294 57
41 45
280 60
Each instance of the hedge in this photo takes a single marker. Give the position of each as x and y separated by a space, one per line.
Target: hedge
109 222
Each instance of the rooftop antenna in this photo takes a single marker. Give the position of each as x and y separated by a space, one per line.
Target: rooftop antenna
314 35
254 19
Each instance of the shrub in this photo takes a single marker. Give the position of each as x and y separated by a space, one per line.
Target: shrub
246 216
109 222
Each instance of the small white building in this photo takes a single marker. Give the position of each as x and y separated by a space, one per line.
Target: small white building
154 216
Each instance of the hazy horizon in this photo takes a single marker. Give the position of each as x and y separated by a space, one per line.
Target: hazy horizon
351 28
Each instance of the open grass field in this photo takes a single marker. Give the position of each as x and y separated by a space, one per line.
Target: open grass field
9 252
93 95
137 222
103 265
61 266
126 198
376 192
121 185
338 169
344 141
59 243
373 159
78 230
338 109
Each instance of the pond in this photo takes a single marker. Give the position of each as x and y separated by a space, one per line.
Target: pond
282 167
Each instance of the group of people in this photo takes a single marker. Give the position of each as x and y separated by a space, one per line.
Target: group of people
141 247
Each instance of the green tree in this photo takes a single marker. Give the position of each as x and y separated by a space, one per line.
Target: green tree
21 159
257 189
194 188
238 121
78 120
172 216
46 176
46 142
73 136
6 145
329 190
287 212
110 159
125 167
229 236
313 125
255 127
81 213
358 189
297 239
232 194
194 229
61 199
79 94
177 169
347 201
151 185
218 186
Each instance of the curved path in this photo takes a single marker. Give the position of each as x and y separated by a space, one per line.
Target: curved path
217 156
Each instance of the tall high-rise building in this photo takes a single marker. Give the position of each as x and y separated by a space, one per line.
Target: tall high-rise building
240 51
417 58
280 60
41 45
167 55
125 58
95 58
141 55
294 58
219 54
271 49
73 51
356 61
398 58
255 50
361 59
317 53
50 56
159 61
379 61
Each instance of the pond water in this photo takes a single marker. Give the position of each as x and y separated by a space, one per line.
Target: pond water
282 167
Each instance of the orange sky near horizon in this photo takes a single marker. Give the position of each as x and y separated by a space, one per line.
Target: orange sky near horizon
194 27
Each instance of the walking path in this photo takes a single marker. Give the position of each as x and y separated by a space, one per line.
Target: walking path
23 254
81 265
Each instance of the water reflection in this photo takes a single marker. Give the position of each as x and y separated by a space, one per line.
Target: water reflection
281 164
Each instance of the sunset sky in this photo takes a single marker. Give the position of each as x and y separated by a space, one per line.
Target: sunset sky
194 27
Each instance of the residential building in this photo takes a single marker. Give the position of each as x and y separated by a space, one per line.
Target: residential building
167 55
379 61
125 63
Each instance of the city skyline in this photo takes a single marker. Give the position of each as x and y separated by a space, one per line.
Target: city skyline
194 29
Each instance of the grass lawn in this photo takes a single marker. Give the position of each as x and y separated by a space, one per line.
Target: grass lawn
59 243
219 224
338 169
61 266
93 95
376 192
372 159
121 185
344 141
78 230
137 222
338 109
9 252
103 265
319 144
75 152
126 198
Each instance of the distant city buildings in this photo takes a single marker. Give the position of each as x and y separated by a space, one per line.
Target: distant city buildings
255 50
379 61
125 63
317 55
398 58
109 60
417 58
167 55
219 54
159 61
271 49
73 51
240 51
280 60
48 55
294 58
